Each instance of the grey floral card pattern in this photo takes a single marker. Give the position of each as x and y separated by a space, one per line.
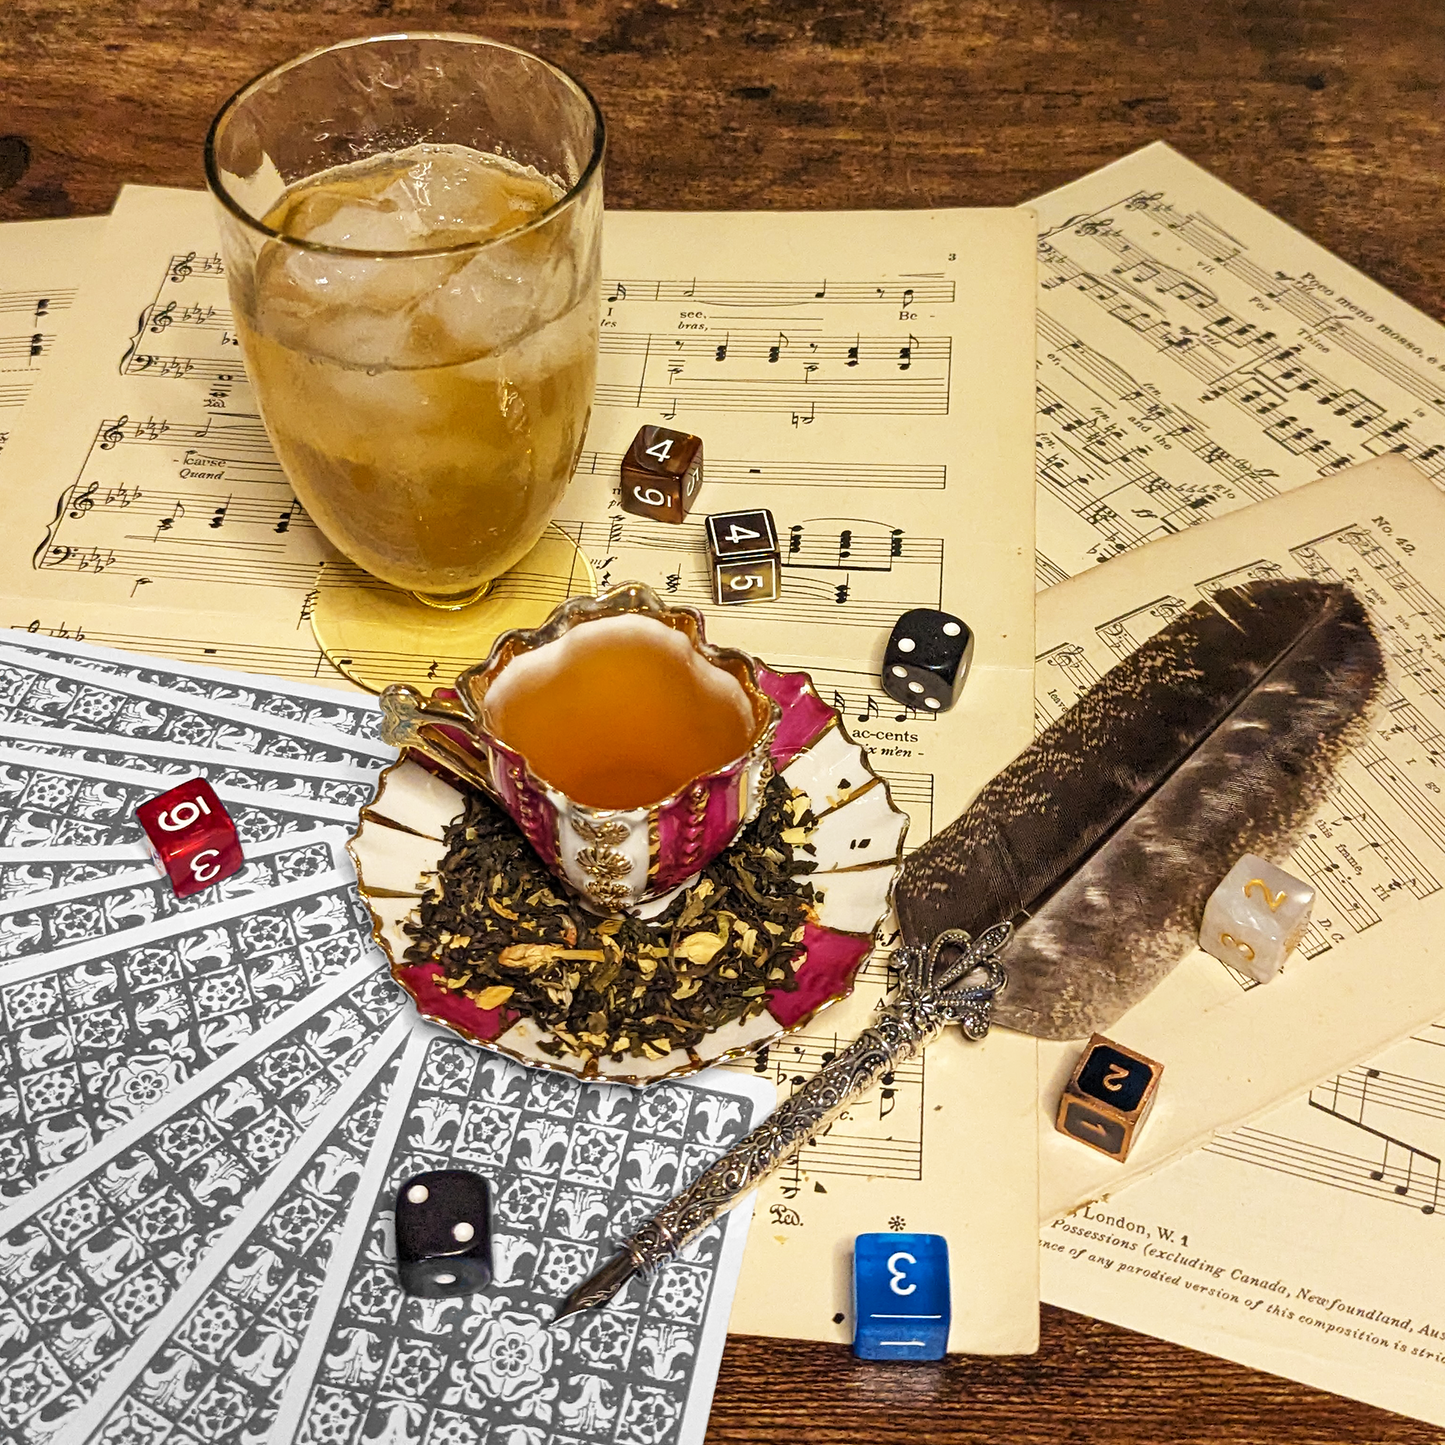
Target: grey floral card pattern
88 1259
574 1168
344 712
346 784
66 913
210 1368
92 1034
41 690
59 801
26 872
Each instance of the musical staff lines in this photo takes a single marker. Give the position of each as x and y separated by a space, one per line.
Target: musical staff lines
1354 1173
900 293
880 1136
726 471
806 375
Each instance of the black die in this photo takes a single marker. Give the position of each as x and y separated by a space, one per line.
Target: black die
444 1234
661 474
927 659
1108 1097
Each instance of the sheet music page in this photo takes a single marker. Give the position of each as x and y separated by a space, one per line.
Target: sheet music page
1196 354
865 376
1306 1241
41 264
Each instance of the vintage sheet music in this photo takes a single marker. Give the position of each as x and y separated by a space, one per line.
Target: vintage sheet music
1197 354
41 263
865 376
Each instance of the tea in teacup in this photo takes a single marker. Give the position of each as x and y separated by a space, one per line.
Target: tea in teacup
621 712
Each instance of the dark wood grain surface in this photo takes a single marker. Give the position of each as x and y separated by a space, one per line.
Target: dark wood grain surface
1329 112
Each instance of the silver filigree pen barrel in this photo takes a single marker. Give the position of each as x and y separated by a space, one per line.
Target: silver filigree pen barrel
954 981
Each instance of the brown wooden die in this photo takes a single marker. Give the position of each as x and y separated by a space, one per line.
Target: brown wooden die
1108 1097
661 474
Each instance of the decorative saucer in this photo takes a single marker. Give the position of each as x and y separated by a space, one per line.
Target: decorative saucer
857 843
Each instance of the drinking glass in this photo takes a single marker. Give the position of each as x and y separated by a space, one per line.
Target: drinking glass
411 228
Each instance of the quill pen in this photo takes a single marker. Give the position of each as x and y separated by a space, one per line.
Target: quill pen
1218 736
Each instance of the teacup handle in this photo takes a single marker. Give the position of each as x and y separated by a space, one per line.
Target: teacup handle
403 709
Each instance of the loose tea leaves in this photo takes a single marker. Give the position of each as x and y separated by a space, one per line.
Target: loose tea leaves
508 935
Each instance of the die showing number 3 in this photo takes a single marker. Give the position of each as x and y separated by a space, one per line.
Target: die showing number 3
896 1276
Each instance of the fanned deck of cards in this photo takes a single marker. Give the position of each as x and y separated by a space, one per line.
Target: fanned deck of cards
207 1105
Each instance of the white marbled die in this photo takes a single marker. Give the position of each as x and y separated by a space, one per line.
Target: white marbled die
1256 917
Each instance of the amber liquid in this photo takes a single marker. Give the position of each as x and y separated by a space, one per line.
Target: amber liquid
623 719
428 411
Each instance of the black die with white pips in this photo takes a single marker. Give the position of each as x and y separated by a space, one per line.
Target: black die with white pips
927 659
444 1234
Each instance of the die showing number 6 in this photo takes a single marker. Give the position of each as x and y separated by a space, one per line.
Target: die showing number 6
182 815
896 1276
649 496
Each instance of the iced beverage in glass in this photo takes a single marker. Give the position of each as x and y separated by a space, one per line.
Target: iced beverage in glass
419 320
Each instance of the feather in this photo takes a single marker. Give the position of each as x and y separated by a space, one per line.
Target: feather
1217 737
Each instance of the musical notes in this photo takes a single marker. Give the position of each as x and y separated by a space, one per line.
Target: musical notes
933 292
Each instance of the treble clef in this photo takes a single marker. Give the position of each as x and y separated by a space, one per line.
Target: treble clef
112 435
163 318
82 502
181 266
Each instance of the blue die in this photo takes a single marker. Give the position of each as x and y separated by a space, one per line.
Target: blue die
900 1296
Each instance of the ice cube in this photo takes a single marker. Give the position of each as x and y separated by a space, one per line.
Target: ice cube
447 198
504 292
353 223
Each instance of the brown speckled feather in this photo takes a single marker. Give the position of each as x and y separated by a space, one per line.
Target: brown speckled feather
1104 839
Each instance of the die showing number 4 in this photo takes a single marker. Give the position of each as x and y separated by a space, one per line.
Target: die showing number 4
743 550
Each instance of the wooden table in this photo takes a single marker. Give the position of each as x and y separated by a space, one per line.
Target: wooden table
1328 112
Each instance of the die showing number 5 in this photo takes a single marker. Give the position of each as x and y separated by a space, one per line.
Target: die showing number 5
744 583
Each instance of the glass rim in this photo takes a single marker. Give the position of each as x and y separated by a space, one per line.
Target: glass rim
219 190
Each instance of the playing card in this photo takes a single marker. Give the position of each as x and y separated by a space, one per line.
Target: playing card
35 688
95 1032
283 698
97 1250
25 872
104 906
348 785
574 1169
48 800
209 1368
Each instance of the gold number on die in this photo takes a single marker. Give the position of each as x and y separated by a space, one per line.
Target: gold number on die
1230 941
1114 1078
1273 900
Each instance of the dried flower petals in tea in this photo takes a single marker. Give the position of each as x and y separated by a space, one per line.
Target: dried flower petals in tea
506 933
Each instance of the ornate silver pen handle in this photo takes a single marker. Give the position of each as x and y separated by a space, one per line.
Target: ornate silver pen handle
933 996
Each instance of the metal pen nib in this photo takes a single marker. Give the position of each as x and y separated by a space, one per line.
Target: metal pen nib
596 1291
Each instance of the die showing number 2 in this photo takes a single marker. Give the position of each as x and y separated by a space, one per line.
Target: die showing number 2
896 1276
1273 900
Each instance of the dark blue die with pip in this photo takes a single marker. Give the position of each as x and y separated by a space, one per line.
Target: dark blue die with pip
926 662
900 1297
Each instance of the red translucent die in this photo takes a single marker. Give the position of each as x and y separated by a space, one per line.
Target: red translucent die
192 836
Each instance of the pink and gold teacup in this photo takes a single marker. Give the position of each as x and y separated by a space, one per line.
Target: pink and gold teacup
627 748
